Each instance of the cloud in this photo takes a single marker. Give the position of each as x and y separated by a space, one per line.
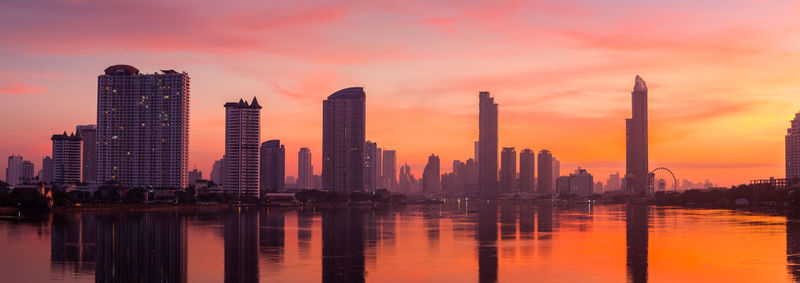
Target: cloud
20 89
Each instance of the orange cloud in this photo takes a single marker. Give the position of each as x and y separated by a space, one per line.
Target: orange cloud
20 89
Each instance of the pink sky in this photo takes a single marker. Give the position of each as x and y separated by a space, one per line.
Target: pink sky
723 75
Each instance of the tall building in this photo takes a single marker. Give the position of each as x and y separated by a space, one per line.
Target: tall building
195 175
66 158
372 166
389 168
14 170
218 171
143 127
343 137
508 170
793 149
613 182
89 156
637 174
242 138
28 172
304 169
556 171
431 178
545 185
487 132
476 151
527 171
47 170
273 164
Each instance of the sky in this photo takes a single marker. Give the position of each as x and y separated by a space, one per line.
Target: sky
723 76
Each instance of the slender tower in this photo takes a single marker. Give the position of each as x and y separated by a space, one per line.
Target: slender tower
637 173
242 137
793 149
487 139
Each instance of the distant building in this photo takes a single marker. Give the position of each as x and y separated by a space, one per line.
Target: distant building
142 128
14 170
793 149
372 166
636 172
598 187
66 158
273 166
89 156
527 169
343 137
47 170
613 183
218 172
431 180
546 184
487 132
28 172
556 171
195 175
389 168
470 177
508 170
304 169
242 138
580 183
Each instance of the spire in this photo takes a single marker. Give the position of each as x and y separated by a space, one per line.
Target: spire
640 84
254 104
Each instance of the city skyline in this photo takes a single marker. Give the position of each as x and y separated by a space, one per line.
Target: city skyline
581 82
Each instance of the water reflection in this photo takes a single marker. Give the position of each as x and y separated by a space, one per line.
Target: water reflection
343 245
637 224
793 244
487 242
241 242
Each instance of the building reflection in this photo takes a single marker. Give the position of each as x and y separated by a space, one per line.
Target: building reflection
637 219
431 219
793 245
305 222
487 242
343 245
73 243
141 247
241 245
508 221
526 221
271 235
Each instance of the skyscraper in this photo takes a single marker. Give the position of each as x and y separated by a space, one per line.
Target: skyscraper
47 170
27 171
273 164
545 185
372 166
14 170
304 168
242 138
637 174
508 170
143 127
476 150
66 158
487 132
793 149
389 168
218 171
89 156
431 178
527 169
556 171
343 137
613 182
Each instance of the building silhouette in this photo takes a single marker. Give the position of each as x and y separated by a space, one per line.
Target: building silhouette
14 170
28 172
546 183
195 175
304 168
218 171
793 149
242 138
527 169
508 170
89 156
487 133
431 178
372 166
66 158
580 183
637 173
273 164
389 168
47 170
343 137
613 183
143 127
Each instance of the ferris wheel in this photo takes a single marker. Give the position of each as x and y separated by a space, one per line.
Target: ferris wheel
662 185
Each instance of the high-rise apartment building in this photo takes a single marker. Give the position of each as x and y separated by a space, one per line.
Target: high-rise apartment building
487 133
47 170
343 137
242 138
793 149
637 174
431 178
88 134
218 172
372 166
508 171
389 167
14 170
546 179
66 158
304 169
273 165
527 167
142 127
28 171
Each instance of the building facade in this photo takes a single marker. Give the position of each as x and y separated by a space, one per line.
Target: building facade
242 138
66 158
372 166
273 165
487 134
527 167
637 174
545 185
508 170
47 170
88 134
142 127
389 168
431 178
343 137
304 169
793 149
28 171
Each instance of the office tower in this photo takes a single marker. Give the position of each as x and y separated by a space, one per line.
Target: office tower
66 158
508 170
242 138
471 177
143 127
476 151
581 183
343 137
389 169
598 188
527 169
431 182
89 156
195 175
273 164
637 173
487 131
545 172
613 182
556 171
304 168
27 171
405 184
793 149
47 170
371 166
14 170
218 171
